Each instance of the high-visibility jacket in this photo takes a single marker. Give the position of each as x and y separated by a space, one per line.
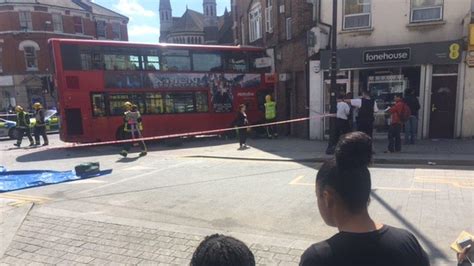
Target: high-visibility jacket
23 120
270 110
132 120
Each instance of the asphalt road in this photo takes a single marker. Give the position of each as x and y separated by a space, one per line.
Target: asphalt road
174 185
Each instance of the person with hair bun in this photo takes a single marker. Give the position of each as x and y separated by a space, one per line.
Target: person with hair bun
343 187
220 250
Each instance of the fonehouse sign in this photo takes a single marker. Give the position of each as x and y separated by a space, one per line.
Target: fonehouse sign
386 56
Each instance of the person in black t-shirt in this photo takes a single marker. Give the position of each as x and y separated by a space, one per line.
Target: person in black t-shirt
343 188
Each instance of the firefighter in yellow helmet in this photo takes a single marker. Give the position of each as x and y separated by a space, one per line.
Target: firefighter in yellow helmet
40 124
270 116
22 126
132 128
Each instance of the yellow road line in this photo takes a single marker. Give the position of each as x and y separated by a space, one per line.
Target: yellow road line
24 199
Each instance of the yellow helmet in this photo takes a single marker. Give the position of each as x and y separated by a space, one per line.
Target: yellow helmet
127 105
19 109
37 105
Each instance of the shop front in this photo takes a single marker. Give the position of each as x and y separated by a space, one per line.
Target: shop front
431 70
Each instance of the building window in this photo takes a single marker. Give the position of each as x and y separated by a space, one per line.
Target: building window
356 14
242 27
58 23
101 29
116 31
1 53
269 16
25 20
289 30
30 58
426 10
78 25
255 23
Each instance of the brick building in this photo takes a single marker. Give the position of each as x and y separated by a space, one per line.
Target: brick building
282 27
26 26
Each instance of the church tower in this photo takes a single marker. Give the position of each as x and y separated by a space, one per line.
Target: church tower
210 21
166 19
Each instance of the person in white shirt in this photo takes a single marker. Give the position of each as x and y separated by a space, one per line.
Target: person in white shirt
342 117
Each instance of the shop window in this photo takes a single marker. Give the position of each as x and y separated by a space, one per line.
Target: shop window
176 60
202 105
78 25
154 103
206 62
101 29
116 31
25 20
357 14
179 103
255 22
426 10
57 22
31 58
98 105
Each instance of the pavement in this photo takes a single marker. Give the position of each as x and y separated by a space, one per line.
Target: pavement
155 210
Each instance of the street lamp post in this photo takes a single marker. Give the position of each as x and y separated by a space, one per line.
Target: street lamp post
333 90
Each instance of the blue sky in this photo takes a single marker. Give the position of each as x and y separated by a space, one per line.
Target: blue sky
144 24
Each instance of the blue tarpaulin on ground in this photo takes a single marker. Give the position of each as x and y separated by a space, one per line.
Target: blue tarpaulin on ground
15 180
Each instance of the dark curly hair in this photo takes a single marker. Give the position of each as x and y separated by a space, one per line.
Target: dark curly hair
348 172
219 250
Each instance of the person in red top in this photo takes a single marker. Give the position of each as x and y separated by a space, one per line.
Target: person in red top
396 111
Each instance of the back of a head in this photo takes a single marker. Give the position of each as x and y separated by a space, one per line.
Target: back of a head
354 150
348 174
216 250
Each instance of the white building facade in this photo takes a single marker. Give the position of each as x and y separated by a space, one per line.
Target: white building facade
388 46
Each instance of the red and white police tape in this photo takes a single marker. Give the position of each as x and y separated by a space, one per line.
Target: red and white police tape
189 134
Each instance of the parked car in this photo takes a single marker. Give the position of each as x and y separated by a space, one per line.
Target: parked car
8 126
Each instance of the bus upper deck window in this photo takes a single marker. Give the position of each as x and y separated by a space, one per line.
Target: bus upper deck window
152 62
236 62
176 60
206 62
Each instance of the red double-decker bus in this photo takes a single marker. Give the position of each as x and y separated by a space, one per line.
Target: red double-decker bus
177 88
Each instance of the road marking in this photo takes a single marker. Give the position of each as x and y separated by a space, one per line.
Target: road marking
21 199
459 182
296 182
